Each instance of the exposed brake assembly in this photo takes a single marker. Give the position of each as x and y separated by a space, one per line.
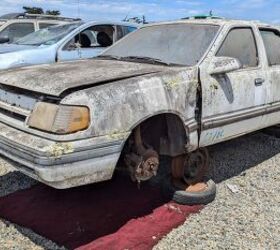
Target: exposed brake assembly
142 162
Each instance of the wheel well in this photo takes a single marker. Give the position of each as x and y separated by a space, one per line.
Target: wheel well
165 133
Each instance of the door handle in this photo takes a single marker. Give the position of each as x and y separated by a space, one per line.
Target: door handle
259 81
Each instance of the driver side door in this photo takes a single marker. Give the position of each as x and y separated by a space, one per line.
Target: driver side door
232 102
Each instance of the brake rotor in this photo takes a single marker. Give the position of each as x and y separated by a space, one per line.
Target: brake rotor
191 168
196 166
148 166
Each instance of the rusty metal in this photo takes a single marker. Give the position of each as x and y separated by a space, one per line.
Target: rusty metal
196 166
177 166
198 187
143 164
182 185
140 149
192 167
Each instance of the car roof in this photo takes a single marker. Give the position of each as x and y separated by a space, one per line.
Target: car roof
82 23
212 21
110 22
23 16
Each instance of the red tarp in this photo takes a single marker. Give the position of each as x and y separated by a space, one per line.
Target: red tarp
110 215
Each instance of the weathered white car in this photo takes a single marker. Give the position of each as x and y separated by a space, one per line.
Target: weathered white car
167 89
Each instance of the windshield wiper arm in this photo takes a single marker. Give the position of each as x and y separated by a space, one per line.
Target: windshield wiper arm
109 57
146 58
137 58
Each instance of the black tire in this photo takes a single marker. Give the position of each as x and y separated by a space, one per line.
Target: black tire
191 198
273 131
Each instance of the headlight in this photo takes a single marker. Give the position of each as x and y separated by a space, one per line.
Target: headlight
59 119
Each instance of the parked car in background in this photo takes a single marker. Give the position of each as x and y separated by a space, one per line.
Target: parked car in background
14 26
73 41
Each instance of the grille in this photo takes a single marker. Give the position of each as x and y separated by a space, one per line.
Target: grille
15 105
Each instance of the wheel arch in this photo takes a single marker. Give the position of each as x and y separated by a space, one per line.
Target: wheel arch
173 123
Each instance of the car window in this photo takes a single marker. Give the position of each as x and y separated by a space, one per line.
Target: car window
130 29
93 37
271 39
48 36
45 25
17 30
240 43
179 43
124 30
120 32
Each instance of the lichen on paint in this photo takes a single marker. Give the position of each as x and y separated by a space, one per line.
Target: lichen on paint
172 83
59 149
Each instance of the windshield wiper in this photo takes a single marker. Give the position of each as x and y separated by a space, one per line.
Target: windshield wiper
109 57
148 59
145 58
138 58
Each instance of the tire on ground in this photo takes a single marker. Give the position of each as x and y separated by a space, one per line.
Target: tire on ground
190 198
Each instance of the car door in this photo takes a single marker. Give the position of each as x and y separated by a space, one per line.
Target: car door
271 42
232 102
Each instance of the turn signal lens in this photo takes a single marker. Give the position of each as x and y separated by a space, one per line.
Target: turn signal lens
59 119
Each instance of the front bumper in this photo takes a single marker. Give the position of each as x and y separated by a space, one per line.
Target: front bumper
61 164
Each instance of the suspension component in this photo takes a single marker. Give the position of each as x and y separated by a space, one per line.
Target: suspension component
142 162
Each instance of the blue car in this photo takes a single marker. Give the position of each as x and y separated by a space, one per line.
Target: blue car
73 41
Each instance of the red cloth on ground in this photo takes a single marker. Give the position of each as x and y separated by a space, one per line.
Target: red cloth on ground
109 215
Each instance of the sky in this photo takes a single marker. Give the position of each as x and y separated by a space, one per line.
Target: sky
154 10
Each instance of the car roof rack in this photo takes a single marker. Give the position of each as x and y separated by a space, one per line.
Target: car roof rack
36 16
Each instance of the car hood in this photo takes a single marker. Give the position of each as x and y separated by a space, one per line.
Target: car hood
7 48
57 78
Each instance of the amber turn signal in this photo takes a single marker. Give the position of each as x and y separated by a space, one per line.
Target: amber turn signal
59 119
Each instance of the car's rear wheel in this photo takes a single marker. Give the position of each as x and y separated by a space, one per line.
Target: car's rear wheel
187 185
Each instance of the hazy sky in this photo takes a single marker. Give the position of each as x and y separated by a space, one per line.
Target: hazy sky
154 10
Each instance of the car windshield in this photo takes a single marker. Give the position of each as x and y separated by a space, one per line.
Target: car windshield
48 36
180 44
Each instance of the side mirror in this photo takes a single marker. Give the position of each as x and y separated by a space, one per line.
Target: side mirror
4 39
223 65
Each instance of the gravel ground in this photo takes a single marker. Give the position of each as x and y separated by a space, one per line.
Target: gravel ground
248 219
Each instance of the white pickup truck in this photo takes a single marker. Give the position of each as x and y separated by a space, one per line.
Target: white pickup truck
167 89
